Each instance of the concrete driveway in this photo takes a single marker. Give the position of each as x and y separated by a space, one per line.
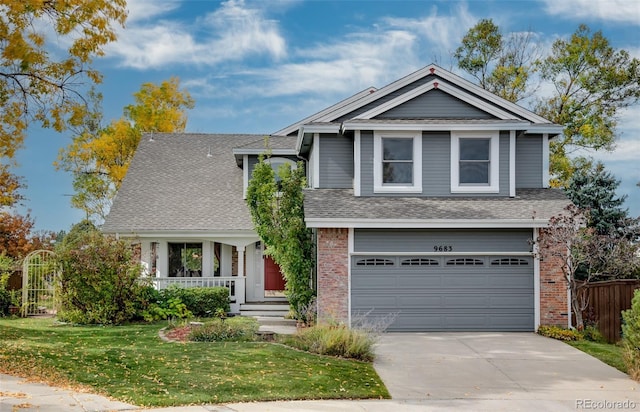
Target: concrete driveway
490 368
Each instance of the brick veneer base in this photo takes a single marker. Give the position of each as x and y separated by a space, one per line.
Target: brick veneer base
333 274
553 292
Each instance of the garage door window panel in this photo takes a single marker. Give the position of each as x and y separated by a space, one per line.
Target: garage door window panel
465 262
419 262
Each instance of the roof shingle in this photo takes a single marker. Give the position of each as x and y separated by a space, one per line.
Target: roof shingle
182 182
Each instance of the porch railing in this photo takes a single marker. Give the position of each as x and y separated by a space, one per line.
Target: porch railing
235 284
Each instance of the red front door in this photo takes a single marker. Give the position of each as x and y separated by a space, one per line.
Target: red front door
273 279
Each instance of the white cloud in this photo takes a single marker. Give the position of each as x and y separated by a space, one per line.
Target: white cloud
442 32
149 9
234 31
626 11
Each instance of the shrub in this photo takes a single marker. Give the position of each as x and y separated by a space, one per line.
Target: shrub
334 340
5 296
203 302
237 329
631 336
99 280
556 332
173 308
593 334
6 264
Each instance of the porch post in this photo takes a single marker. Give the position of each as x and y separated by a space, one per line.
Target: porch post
241 250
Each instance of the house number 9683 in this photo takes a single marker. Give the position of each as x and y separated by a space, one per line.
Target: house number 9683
443 248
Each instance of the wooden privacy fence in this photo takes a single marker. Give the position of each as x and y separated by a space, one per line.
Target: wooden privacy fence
606 302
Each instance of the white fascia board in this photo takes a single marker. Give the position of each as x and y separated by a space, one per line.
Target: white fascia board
421 126
398 84
315 128
439 85
547 128
193 234
459 81
426 224
321 128
278 152
314 117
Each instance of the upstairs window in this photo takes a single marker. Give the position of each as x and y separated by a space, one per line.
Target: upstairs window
397 162
475 162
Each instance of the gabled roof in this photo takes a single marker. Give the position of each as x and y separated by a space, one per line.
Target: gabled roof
465 85
432 77
181 182
340 208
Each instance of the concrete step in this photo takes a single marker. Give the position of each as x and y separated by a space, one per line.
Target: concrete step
265 313
269 309
275 321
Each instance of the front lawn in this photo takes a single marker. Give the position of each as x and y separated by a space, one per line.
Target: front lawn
608 353
131 363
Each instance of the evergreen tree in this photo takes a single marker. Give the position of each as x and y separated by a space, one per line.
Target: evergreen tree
594 189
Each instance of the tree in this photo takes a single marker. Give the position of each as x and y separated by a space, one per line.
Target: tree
502 65
9 187
17 238
99 156
591 82
584 255
594 189
38 85
276 203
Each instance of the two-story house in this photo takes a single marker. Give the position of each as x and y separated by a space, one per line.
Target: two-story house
425 196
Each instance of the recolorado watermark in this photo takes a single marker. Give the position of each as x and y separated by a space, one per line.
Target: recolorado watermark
604 405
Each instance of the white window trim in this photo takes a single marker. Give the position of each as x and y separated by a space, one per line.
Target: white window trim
416 187
494 159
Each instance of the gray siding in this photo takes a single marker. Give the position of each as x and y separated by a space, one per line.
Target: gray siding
529 162
504 164
336 162
436 166
415 240
366 163
386 98
435 104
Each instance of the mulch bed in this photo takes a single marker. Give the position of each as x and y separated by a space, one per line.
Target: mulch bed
178 334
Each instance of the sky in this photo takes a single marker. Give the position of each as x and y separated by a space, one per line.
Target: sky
258 66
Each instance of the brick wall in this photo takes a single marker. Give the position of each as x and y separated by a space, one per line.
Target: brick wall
333 274
553 292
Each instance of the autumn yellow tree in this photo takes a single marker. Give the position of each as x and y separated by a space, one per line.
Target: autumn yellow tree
39 83
99 156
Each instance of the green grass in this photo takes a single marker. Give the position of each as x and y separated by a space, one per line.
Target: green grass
132 364
608 353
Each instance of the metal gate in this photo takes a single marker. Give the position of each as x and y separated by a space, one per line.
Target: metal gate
38 283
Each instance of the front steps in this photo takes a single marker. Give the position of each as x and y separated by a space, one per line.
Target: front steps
265 309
